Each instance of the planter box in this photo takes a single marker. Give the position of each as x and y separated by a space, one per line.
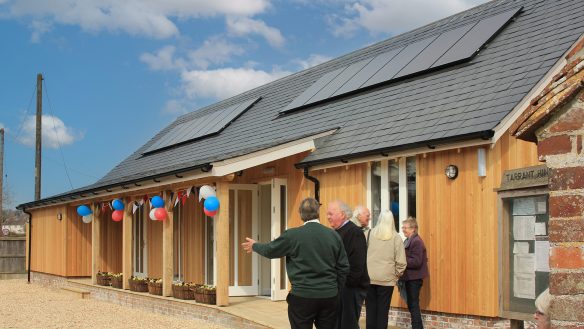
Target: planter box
155 288
117 282
210 297
103 280
199 294
138 286
183 292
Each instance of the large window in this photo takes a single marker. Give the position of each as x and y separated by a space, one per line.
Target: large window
392 186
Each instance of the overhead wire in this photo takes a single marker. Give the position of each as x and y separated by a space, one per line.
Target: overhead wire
56 133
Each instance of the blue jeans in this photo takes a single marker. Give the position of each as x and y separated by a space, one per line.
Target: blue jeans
413 288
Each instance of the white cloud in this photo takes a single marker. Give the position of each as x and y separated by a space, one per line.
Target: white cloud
151 18
175 107
39 28
312 60
392 17
54 132
226 82
214 51
163 59
241 26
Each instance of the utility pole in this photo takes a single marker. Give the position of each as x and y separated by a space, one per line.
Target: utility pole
39 115
1 173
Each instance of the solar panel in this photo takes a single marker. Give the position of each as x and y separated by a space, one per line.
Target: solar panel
474 39
398 62
434 51
450 47
201 126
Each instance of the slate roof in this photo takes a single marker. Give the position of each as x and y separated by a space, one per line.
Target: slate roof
459 102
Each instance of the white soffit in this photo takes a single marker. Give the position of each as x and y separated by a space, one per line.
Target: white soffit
243 162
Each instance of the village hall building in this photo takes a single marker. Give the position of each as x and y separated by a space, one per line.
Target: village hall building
419 124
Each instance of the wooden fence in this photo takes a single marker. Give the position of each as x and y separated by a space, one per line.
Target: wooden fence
12 257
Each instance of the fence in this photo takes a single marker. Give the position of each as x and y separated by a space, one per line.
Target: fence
12 257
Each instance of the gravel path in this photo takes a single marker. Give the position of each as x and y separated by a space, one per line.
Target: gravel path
25 305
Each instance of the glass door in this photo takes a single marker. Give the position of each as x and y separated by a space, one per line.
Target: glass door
139 244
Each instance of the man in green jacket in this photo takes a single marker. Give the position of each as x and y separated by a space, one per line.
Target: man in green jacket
317 266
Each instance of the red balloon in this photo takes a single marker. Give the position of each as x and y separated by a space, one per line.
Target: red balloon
117 215
209 213
160 213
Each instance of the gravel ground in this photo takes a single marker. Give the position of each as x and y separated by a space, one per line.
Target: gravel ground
25 305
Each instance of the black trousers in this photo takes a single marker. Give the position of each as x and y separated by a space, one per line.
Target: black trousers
377 306
304 312
413 288
350 308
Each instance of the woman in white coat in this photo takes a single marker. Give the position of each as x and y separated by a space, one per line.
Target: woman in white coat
386 262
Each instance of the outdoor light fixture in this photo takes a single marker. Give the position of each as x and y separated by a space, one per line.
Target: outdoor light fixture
451 171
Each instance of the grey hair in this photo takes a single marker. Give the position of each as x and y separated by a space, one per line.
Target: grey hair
309 209
344 208
356 213
411 221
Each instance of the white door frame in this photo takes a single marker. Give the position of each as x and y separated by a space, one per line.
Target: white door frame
144 220
277 293
237 290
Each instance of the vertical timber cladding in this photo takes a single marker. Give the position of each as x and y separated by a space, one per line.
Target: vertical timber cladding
154 243
459 224
193 247
78 244
49 243
111 243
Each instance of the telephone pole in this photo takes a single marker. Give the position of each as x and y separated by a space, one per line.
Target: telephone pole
39 115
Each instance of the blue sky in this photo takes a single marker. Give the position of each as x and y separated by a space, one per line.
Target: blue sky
116 72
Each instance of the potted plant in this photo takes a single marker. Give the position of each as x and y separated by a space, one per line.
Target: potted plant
138 284
210 295
103 278
183 290
117 280
155 286
199 293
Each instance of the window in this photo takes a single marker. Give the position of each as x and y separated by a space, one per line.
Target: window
392 186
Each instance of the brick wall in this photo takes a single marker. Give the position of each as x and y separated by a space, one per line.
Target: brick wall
560 145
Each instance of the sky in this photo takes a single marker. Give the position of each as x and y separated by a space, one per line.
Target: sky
117 72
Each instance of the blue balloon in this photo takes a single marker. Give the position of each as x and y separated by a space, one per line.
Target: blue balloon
157 202
211 203
118 204
83 210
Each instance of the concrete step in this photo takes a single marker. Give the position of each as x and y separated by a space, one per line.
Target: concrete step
79 293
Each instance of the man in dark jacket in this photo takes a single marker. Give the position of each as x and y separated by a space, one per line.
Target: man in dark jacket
355 290
416 270
316 264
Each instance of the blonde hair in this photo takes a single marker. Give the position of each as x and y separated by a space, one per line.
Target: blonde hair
542 303
385 228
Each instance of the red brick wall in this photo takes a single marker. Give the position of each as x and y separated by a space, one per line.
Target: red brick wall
560 145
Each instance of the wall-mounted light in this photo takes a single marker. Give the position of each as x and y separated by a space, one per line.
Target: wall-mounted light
482 161
59 216
451 171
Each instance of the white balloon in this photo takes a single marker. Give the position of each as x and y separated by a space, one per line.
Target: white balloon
87 219
206 191
151 215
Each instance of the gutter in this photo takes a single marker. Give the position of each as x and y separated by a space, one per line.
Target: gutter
316 184
29 239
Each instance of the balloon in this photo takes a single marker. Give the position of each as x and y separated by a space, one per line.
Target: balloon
117 215
83 210
210 213
211 203
152 213
206 191
87 219
160 213
157 202
117 204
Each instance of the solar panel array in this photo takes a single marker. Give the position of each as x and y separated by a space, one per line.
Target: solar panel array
202 126
448 48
